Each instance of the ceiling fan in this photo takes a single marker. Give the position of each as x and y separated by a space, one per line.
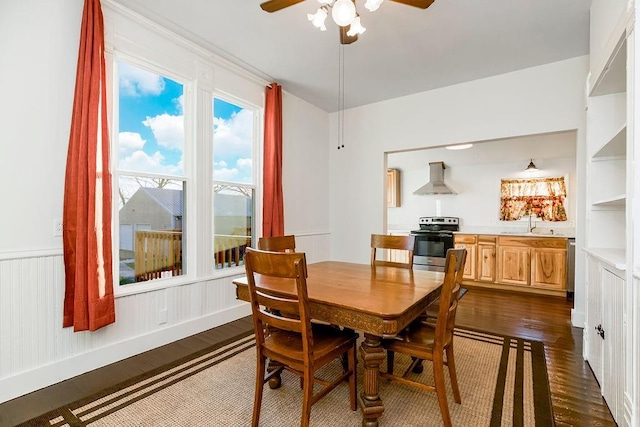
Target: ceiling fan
347 34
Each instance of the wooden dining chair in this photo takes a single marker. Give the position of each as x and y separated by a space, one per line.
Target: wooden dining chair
298 345
402 243
278 243
424 341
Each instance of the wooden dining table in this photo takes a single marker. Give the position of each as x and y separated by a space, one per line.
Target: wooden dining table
378 301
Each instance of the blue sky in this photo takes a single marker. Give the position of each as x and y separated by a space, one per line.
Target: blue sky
151 133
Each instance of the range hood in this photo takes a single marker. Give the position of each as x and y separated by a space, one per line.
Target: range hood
436 183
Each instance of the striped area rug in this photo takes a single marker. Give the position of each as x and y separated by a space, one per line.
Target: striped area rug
503 382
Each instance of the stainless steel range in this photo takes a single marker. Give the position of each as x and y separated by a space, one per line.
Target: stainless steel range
433 240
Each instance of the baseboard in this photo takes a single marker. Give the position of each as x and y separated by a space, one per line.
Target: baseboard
44 376
577 318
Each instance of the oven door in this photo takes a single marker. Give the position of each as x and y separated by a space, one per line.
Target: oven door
430 250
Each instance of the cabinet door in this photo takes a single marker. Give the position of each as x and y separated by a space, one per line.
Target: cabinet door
514 265
393 188
486 262
612 384
549 268
469 243
593 322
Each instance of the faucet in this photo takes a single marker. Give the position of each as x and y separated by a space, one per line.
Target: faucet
530 227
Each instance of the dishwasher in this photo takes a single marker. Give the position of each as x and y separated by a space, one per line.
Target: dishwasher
571 267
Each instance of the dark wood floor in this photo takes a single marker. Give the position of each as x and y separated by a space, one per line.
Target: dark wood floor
575 393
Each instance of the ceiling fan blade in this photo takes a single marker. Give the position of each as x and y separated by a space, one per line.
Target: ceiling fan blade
275 5
344 37
422 4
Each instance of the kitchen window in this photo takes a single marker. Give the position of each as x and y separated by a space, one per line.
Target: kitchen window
542 197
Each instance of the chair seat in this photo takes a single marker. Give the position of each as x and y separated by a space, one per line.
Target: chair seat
326 339
432 310
417 339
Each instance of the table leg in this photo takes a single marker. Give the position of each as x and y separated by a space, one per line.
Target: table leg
373 355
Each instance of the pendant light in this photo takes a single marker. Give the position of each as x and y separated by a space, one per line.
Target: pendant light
531 167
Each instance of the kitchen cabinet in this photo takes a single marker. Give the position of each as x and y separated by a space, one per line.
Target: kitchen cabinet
549 268
525 263
393 188
514 265
468 241
486 258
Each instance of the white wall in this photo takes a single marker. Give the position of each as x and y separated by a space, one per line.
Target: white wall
38 46
548 98
477 202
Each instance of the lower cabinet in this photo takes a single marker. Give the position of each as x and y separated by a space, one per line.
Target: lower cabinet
514 265
549 268
604 328
468 241
486 259
537 264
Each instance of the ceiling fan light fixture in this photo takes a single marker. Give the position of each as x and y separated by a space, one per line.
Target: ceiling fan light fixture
373 5
356 28
318 18
531 167
343 12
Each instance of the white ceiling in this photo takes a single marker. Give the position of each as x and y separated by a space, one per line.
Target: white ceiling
522 149
404 50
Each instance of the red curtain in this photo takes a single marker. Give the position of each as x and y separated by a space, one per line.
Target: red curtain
88 301
273 205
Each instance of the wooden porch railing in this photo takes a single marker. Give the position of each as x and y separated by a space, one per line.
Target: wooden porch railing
229 249
157 254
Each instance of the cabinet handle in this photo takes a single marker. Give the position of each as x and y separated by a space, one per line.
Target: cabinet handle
600 331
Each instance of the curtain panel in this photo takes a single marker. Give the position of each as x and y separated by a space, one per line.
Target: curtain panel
273 203
542 197
88 301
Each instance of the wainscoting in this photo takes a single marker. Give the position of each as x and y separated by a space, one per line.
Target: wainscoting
35 351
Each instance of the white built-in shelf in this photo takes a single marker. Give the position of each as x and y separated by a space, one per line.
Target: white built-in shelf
612 256
615 147
613 75
612 202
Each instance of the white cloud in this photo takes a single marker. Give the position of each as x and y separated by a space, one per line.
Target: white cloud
221 164
130 141
168 130
143 162
136 81
233 138
226 174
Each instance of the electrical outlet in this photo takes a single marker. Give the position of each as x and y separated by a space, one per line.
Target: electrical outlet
57 227
163 316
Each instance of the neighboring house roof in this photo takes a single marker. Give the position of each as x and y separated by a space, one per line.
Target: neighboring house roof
169 199
224 204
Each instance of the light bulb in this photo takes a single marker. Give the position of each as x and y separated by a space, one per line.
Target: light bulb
343 12
318 18
373 5
356 28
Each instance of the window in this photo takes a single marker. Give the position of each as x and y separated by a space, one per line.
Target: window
233 182
542 197
150 177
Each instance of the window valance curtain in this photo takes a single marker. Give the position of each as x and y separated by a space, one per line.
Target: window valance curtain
88 299
542 197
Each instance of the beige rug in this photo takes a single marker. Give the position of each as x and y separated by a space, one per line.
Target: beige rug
503 382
